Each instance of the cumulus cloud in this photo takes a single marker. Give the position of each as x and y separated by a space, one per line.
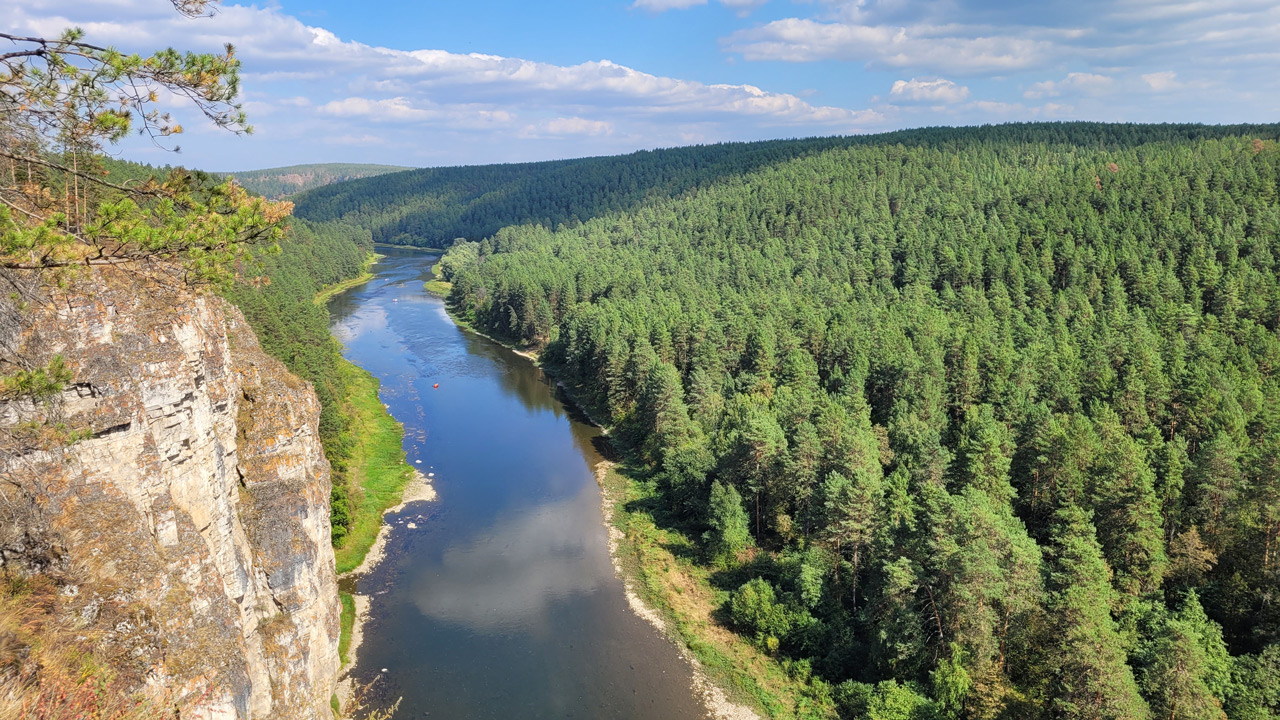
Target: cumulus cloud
280 48
314 95
937 91
326 86
403 110
1003 110
353 140
977 36
997 111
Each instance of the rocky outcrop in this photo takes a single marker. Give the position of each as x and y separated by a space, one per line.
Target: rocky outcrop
178 489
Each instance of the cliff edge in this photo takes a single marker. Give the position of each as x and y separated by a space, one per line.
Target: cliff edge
177 494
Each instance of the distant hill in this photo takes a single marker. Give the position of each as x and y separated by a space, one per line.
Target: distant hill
430 206
279 182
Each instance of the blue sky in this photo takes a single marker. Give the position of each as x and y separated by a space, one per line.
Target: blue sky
444 83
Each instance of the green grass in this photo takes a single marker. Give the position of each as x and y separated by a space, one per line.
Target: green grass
347 623
439 286
379 471
680 590
365 276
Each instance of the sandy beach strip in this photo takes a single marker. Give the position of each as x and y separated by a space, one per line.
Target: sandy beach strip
717 702
419 489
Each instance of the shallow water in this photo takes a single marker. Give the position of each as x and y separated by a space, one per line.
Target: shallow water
501 602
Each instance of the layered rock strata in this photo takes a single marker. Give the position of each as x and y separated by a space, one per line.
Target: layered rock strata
178 490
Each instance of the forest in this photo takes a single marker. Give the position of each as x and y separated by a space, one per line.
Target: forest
971 423
284 181
433 206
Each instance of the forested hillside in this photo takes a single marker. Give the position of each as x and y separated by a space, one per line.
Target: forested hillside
431 207
272 183
973 423
282 181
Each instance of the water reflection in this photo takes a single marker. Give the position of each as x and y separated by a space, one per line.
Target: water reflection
500 601
510 576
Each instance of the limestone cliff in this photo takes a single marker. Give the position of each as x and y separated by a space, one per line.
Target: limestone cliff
189 523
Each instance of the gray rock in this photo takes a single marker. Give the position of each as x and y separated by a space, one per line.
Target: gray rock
193 521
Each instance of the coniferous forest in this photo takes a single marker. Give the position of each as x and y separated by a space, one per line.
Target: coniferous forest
947 423
973 423
938 424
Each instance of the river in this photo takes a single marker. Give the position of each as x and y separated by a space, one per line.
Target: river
498 599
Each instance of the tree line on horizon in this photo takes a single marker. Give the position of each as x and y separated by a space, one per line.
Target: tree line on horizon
431 207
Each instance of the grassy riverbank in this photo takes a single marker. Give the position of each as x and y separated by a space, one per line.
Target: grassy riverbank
660 567
439 286
379 471
348 624
365 276
376 481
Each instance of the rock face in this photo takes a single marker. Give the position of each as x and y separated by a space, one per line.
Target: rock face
184 500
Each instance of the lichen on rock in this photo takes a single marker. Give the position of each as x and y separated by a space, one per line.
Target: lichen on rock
184 498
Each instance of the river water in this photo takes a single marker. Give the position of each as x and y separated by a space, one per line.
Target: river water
498 599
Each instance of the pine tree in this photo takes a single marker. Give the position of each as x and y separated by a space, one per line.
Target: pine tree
850 512
1093 681
1189 668
1128 510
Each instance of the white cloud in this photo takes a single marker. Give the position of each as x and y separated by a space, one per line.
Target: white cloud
567 127
578 126
1073 83
1161 81
994 110
938 90
743 6
921 46
391 109
306 81
314 95
403 110
964 37
999 109
353 140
